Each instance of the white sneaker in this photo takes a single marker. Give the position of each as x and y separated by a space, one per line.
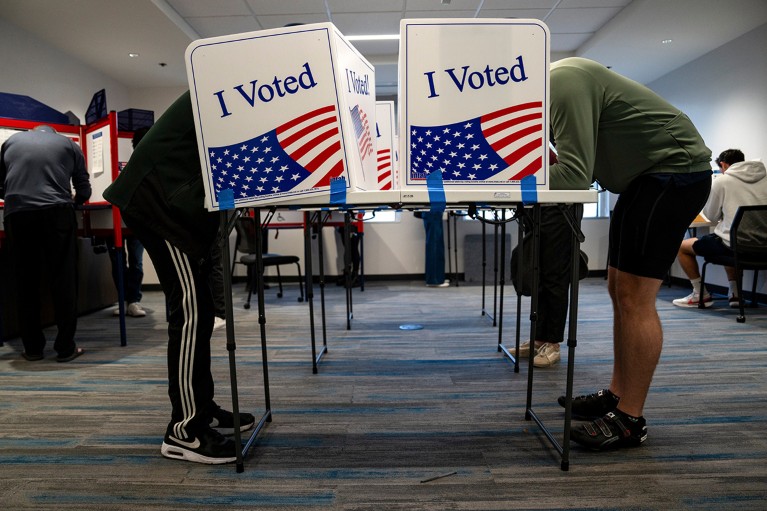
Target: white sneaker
444 284
692 300
218 323
524 350
547 355
135 310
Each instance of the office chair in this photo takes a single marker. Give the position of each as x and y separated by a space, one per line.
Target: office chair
246 245
748 240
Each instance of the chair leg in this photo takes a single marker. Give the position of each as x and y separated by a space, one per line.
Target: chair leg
739 284
300 284
754 302
701 291
252 286
279 281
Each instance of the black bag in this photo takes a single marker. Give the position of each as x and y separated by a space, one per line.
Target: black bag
524 283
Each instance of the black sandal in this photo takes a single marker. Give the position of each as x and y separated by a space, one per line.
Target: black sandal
71 356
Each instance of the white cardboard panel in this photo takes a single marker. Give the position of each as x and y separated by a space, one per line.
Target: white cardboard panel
385 145
474 98
280 113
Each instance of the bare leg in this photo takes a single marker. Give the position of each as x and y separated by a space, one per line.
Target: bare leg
638 338
687 261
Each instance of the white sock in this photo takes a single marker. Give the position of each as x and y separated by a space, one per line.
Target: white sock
695 285
734 288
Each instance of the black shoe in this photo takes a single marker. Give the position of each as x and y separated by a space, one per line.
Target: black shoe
208 446
592 406
223 421
613 431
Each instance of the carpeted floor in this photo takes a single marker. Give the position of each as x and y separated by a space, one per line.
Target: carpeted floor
389 410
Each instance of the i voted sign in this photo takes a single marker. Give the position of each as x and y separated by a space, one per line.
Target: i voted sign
474 102
272 114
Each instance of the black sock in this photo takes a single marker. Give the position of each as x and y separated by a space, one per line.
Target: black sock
635 424
613 397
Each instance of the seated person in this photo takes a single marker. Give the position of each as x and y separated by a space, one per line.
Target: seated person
742 183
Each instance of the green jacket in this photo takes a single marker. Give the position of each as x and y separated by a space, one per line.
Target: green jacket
612 129
161 186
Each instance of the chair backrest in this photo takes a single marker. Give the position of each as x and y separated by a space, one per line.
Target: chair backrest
246 235
748 234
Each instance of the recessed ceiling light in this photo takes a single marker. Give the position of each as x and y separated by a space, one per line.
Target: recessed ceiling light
133 55
381 37
667 41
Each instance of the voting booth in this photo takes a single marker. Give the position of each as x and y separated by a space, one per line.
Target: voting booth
282 114
474 107
387 178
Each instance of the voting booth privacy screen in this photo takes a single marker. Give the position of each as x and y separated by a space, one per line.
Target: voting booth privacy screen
385 145
474 97
282 114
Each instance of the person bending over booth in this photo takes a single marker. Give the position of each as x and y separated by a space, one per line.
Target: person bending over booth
618 132
160 195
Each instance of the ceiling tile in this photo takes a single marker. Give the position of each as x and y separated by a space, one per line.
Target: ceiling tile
187 8
282 20
580 20
354 24
223 25
436 5
366 6
272 7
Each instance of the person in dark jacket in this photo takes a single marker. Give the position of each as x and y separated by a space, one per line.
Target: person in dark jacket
37 171
160 195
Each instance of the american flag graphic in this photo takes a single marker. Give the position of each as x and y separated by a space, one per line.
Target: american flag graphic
384 169
304 153
362 131
501 146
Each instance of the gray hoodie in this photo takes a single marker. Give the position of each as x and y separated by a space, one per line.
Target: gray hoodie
743 184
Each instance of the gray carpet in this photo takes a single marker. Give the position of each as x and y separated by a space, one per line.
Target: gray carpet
389 410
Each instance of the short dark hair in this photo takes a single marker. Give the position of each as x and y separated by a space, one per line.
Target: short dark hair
730 156
138 135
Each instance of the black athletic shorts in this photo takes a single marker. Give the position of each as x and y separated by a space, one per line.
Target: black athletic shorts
711 245
650 220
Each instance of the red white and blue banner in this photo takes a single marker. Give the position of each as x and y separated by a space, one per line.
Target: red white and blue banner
280 114
474 102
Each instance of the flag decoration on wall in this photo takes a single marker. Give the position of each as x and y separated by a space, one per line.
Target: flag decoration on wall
503 145
305 151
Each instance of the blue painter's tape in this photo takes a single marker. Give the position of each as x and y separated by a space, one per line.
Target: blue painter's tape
529 190
226 199
436 189
338 191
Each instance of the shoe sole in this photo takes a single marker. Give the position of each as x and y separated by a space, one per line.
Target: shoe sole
179 453
230 431
694 305
612 443
74 355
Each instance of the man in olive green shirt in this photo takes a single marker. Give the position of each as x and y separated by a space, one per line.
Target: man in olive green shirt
621 134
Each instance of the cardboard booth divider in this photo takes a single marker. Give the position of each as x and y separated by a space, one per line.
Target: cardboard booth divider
387 176
474 105
282 115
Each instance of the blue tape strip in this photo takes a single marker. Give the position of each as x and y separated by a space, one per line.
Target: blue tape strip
436 189
529 190
226 199
338 191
